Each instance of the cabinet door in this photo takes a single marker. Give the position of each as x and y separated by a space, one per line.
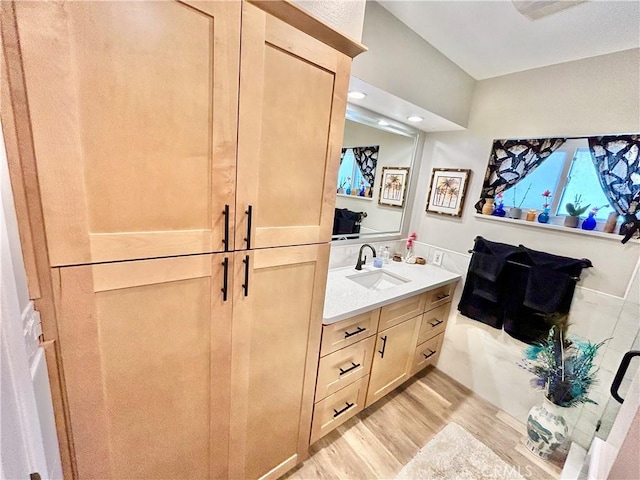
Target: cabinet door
133 112
146 355
392 359
277 322
292 104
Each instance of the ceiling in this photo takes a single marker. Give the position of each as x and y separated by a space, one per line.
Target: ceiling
491 38
396 110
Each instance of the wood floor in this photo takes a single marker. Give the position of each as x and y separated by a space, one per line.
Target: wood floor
379 441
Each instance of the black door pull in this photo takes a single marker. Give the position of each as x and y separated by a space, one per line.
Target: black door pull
435 322
622 370
225 278
384 346
225 240
339 412
245 285
249 213
351 334
430 354
442 296
352 367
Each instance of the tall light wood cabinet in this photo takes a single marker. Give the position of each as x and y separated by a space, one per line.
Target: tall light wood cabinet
146 349
276 339
133 112
175 195
290 86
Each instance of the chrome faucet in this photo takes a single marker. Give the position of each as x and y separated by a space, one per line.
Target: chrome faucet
360 260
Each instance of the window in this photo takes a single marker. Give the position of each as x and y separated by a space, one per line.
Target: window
583 180
545 177
349 176
565 180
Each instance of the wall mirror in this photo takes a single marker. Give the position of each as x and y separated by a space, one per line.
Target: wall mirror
375 177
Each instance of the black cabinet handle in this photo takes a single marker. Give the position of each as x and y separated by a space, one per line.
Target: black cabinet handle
351 334
225 240
249 213
339 412
225 278
436 323
427 355
384 346
442 296
622 370
245 285
352 367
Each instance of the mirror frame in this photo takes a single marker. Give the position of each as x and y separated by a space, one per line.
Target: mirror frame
370 118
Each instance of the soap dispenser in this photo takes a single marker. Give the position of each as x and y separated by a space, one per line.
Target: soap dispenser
386 255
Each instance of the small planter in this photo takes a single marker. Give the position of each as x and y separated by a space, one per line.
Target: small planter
571 222
515 213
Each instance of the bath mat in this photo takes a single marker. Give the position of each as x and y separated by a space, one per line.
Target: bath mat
455 454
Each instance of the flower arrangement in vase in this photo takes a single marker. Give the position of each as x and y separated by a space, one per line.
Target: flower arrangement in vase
544 216
574 209
516 212
409 258
564 370
590 223
499 210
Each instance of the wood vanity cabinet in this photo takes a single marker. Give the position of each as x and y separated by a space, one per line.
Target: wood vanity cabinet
364 357
173 188
395 347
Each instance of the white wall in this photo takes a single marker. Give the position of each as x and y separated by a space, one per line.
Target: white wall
395 151
345 16
592 96
587 97
400 62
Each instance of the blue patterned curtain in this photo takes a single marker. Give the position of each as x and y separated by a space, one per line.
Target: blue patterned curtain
367 160
511 161
617 161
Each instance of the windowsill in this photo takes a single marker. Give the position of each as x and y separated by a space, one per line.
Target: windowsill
354 196
556 228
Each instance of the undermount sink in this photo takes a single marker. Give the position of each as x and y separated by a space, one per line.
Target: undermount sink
377 279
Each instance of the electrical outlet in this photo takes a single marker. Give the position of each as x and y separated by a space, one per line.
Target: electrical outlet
437 257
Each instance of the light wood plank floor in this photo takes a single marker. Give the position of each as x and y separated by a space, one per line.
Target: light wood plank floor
379 441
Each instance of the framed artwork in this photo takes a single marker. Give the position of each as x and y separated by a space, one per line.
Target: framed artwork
393 186
447 191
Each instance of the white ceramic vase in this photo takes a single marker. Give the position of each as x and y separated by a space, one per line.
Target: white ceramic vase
547 429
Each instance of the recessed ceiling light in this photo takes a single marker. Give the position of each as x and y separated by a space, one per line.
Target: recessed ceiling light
415 118
383 123
356 95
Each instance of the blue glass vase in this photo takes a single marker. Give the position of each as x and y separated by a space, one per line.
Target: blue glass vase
348 191
499 211
589 222
544 216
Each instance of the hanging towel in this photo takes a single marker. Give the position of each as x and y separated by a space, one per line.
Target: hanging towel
546 289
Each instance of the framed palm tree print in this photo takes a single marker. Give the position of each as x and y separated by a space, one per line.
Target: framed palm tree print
393 186
447 191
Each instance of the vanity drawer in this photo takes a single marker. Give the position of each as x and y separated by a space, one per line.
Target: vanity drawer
398 312
349 331
427 353
439 296
336 409
343 367
434 322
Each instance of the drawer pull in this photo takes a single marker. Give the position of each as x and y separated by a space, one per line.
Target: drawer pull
427 355
436 322
225 240
225 278
249 213
442 296
352 367
351 334
245 285
384 346
340 412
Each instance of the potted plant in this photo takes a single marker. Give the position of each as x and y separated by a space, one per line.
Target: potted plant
564 370
516 212
574 210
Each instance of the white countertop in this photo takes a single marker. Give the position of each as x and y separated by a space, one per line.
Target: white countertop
345 298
